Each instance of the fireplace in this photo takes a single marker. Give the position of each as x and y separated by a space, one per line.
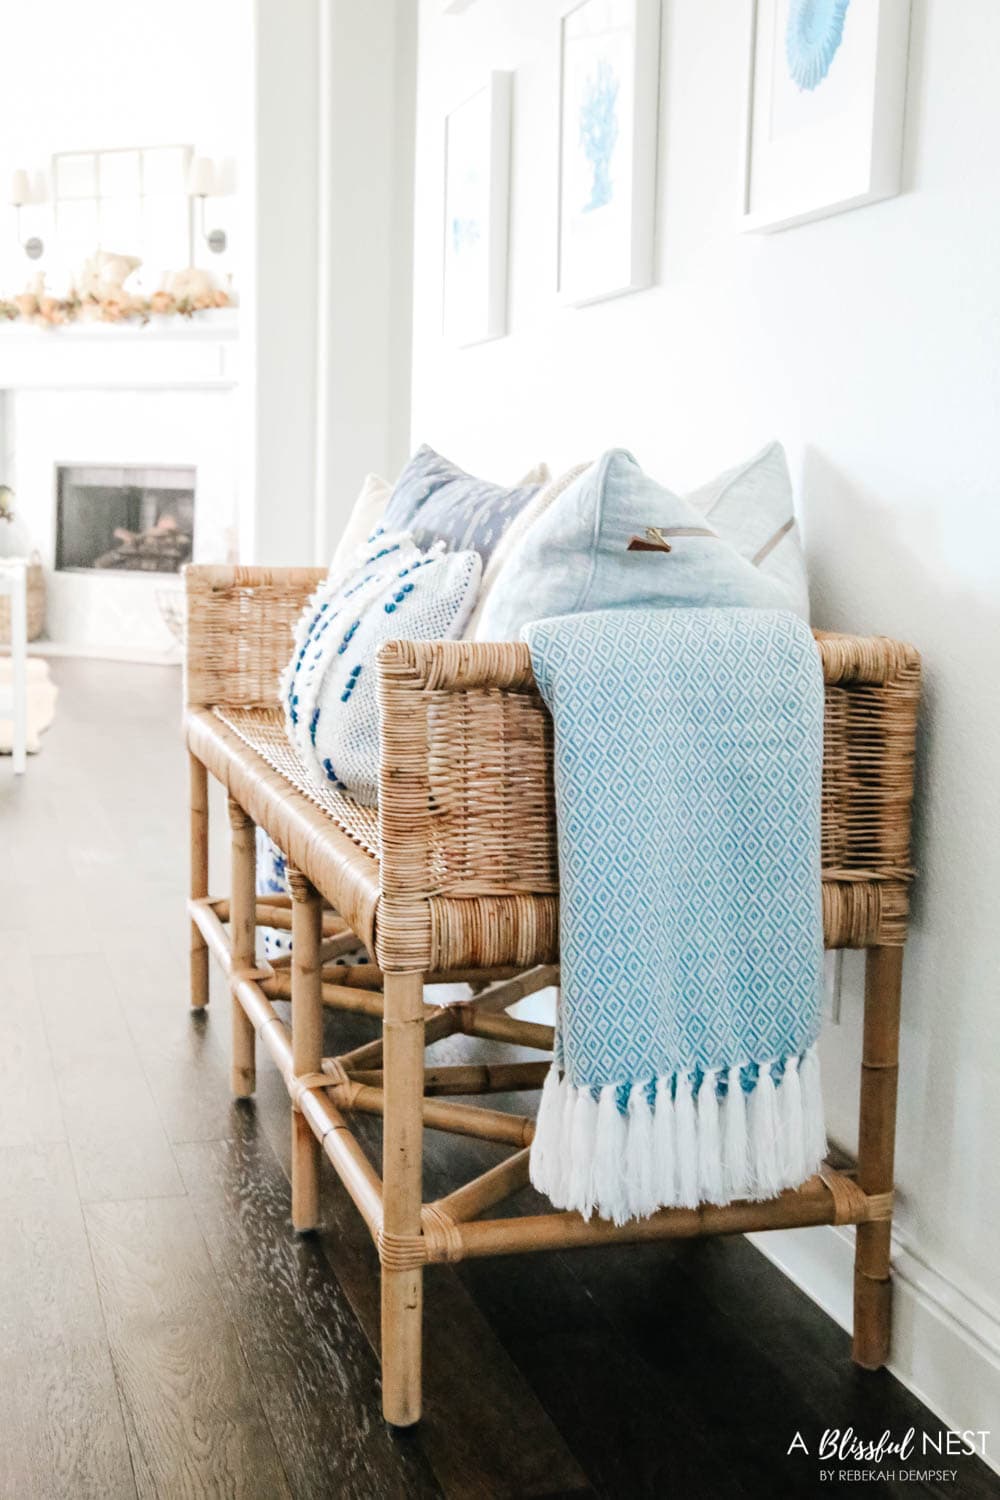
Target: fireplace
125 519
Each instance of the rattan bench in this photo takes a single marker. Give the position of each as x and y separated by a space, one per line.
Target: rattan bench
454 878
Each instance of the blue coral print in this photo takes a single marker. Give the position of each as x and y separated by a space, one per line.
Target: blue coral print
814 33
599 132
465 234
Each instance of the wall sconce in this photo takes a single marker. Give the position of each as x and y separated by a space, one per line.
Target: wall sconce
203 183
21 195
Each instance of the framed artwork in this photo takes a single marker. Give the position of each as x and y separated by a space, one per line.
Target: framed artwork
476 200
608 87
824 117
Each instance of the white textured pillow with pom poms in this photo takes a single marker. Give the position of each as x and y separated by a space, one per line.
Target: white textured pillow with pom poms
397 592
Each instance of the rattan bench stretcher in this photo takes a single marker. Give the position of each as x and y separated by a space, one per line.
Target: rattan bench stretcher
454 879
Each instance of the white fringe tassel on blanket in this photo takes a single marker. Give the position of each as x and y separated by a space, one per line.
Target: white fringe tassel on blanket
714 1145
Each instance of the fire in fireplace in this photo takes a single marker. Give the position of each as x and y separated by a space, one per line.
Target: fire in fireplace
127 519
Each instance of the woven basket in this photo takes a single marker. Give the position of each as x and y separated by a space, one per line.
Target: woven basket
36 605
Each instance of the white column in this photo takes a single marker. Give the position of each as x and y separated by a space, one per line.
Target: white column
278 292
368 109
326 301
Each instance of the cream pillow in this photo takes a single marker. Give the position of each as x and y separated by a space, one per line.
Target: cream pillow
365 518
513 535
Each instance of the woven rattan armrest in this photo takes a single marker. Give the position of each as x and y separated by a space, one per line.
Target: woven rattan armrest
239 631
466 799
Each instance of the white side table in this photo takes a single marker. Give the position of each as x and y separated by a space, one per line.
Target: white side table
14 583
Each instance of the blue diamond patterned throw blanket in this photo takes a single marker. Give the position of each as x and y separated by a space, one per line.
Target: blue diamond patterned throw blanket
688 758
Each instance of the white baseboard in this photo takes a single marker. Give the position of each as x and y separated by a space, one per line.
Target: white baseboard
945 1345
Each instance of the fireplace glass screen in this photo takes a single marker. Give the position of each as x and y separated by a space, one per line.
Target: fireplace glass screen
127 519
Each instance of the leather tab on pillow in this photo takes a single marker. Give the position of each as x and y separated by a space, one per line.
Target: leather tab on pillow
655 539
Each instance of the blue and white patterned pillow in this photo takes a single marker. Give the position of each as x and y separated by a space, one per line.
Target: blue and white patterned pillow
435 500
329 691
340 595
272 880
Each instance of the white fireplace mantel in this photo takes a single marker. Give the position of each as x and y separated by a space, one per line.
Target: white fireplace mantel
166 393
166 352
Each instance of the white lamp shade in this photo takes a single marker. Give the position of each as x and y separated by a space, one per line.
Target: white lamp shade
201 177
20 189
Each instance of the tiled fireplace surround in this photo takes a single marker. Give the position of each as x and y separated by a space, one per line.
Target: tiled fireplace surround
160 395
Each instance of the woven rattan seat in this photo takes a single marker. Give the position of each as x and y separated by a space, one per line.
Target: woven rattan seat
455 876
234 745
263 730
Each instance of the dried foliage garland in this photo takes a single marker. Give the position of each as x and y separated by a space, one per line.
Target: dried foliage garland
123 307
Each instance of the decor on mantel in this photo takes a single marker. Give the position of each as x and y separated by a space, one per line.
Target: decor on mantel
824 113
202 183
608 82
99 295
24 193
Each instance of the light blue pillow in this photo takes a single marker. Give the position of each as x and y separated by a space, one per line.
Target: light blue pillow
751 506
434 500
576 556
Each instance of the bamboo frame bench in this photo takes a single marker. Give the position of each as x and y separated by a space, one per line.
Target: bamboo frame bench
454 878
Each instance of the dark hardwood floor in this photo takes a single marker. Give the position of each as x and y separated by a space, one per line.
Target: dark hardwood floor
163 1332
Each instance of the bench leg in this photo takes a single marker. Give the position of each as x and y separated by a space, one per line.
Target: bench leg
243 938
199 877
402 1179
307 1042
876 1150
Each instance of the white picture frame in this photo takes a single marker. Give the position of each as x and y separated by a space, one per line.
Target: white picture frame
833 141
609 70
476 211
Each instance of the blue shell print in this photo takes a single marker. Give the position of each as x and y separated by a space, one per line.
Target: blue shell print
815 31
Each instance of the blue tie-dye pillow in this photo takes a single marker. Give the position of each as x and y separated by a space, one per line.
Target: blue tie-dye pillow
434 500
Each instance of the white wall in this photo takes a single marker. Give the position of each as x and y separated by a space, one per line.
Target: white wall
868 342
